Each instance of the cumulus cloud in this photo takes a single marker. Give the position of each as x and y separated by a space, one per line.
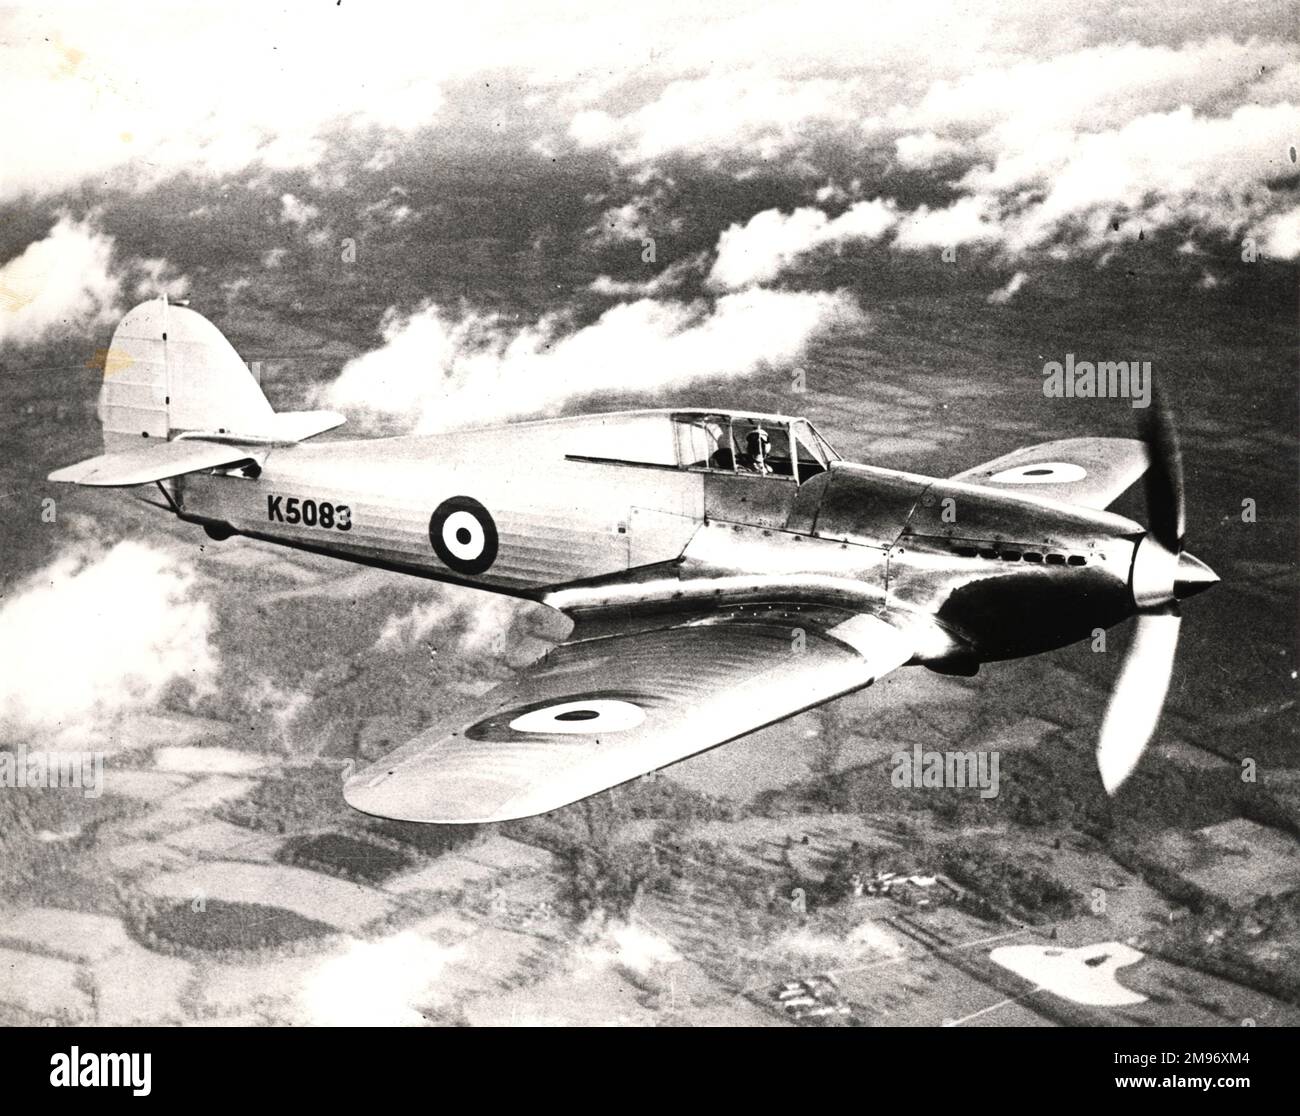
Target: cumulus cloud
1044 137
108 85
806 947
295 211
936 80
72 280
94 635
964 222
447 373
390 211
466 621
770 241
833 193
1006 75
1279 235
1007 109
622 222
667 280
154 92
643 216
277 708
1025 127
377 984
65 281
752 111
925 150
158 277
1003 295
622 945
1041 115
1160 169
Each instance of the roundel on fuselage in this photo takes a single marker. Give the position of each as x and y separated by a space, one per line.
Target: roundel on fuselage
464 535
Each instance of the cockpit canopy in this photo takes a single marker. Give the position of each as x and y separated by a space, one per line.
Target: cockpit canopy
709 441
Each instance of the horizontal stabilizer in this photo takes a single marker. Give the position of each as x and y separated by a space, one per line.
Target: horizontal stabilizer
277 429
153 461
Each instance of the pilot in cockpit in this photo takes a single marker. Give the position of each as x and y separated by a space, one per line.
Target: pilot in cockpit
754 459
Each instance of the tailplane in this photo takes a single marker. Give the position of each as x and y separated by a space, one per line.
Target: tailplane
170 377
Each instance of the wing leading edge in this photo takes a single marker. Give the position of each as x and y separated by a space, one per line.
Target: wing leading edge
597 712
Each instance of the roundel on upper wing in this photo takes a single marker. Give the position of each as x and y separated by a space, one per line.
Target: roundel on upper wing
591 714
1043 472
582 717
463 535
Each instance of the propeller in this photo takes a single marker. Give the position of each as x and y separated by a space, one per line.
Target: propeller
1163 574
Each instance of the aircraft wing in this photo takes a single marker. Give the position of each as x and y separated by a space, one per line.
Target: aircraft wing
1093 472
597 712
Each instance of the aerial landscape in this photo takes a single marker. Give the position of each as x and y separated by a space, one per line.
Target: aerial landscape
771 209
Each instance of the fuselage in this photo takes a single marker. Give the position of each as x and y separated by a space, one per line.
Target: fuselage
977 573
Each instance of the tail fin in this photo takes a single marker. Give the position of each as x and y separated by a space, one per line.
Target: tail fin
170 375
170 371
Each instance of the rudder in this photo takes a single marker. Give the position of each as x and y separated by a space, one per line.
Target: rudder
169 370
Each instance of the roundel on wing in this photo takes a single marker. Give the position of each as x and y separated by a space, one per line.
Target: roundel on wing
463 535
581 717
1045 472
591 714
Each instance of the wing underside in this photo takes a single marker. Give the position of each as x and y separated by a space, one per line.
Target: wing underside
597 712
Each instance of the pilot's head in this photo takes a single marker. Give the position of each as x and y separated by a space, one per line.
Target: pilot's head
756 443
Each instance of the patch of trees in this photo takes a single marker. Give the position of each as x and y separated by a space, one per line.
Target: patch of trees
27 812
218 926
1258 947
294 799
1028 893
609 880
338 854
1053 786
310 798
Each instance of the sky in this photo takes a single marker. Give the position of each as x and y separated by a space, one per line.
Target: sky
1029 130
1038 115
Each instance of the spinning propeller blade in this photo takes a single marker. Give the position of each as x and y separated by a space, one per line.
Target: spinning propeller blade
1163 574
1138 696
1166 502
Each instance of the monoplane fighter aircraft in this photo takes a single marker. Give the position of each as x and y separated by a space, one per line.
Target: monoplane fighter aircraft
723 570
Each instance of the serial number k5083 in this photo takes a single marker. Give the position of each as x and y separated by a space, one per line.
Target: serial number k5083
310 513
